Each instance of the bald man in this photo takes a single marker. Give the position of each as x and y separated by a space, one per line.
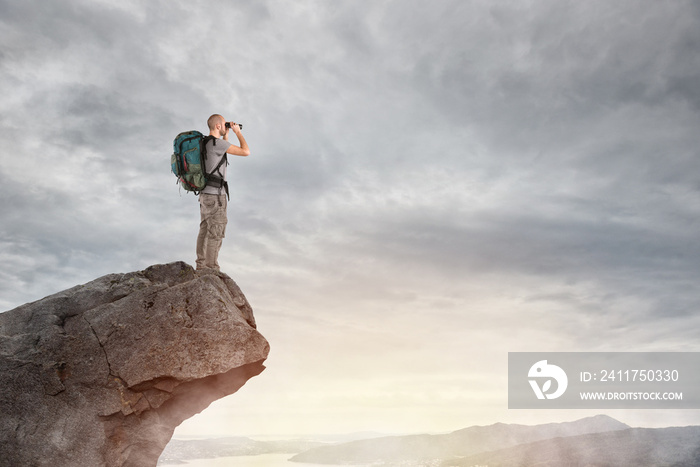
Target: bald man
213 198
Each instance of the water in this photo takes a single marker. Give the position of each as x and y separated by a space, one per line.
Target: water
262 460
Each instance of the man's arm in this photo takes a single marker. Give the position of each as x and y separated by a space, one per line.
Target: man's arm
241 150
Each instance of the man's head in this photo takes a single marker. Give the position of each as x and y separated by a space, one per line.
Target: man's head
217 125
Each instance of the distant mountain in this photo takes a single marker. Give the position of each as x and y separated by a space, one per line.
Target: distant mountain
466 442
328 438
634 447
180 450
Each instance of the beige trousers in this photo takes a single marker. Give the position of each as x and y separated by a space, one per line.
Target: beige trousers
212 229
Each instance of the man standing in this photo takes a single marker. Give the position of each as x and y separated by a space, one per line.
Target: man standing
213 198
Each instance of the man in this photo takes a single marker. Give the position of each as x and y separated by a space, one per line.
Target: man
212 199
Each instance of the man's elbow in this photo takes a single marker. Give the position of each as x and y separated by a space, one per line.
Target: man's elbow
246 152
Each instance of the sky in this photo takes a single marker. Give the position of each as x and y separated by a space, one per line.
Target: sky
431 185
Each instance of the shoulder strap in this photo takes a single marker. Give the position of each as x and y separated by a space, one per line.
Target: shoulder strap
221 162
203 151
217 180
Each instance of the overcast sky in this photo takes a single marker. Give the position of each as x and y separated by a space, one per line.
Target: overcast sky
432 185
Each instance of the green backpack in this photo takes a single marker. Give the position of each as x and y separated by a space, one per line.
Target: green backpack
188 162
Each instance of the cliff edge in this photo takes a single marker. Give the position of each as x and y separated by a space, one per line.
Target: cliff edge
102 373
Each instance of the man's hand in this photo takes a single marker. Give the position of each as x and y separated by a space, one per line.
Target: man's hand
231 126
241 150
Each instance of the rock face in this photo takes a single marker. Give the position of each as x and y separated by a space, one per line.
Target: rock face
101 374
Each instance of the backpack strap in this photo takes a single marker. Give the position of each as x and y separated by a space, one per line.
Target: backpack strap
220 178
216 181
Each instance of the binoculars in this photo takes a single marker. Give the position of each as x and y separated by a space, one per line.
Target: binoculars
228 125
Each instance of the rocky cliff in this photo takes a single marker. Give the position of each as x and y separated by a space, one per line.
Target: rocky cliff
101 374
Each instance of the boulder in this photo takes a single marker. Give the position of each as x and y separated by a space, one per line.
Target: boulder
102 373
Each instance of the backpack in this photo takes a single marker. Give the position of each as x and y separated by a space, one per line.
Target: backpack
188 162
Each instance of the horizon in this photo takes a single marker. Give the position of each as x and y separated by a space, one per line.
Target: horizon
358 435
430 187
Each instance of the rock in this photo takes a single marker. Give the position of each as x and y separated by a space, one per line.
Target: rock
102 373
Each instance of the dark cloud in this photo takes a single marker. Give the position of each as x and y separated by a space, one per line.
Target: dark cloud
573 125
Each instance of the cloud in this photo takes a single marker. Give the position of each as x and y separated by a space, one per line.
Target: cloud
516 173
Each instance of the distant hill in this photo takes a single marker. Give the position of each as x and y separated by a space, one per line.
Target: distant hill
461 443
634 447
